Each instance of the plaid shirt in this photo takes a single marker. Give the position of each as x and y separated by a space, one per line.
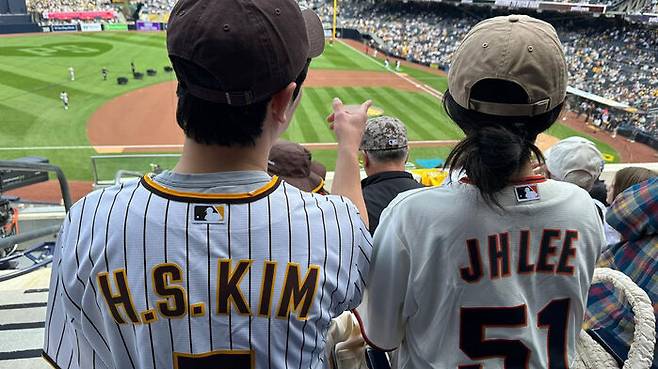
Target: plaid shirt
634 214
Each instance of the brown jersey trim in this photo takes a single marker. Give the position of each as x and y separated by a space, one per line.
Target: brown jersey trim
365 337
210 198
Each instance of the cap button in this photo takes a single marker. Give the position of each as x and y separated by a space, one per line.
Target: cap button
513 18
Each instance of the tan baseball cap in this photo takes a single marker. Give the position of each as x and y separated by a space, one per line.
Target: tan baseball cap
514 48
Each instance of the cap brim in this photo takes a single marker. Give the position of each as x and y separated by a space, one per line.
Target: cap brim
319 169
315 33
307 184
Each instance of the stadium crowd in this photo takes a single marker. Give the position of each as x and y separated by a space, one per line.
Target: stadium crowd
156 7
47 6
616 62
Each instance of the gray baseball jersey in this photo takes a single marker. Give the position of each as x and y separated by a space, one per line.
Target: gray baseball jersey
455 283
146 276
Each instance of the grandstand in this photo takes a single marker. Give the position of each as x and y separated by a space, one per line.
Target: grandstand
612 65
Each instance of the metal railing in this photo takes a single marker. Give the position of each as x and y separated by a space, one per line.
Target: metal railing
123 172
41 254
39 167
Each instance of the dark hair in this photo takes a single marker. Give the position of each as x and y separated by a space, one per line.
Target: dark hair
299 81
628 177
495 147
213 123
387 156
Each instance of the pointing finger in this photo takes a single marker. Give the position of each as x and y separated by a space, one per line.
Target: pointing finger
365 106
337 104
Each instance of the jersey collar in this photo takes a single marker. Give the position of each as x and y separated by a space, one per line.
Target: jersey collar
205 198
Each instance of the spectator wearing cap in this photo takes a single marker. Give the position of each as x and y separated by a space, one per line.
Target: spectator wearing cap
293 163
634 213
231 232
577 160
436 280
385 152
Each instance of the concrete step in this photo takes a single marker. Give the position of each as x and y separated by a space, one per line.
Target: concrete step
22 320
20 297
32 363
38 279
19 316
19 340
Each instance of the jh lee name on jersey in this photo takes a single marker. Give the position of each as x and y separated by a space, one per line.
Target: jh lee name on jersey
556 251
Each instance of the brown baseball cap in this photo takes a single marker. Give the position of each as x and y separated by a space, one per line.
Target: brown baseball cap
251 48
293 162
514 48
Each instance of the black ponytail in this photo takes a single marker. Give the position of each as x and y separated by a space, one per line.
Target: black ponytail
495 148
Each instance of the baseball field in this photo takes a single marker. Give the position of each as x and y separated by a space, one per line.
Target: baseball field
105 117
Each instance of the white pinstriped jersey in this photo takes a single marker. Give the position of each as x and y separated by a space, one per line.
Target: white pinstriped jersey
148 277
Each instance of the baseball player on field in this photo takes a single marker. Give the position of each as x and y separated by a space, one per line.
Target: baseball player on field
492 271
215 264
64 98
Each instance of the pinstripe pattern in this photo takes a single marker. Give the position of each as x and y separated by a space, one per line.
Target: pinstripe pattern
166 227
308 264
143 230
146 297
285 193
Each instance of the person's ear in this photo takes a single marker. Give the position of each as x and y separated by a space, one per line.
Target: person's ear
366 159
280 103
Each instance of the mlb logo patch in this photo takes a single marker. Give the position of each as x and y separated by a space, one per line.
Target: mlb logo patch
209 214
529 192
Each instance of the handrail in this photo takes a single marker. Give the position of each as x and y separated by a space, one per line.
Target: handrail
10 241
39 167
28 236
37 262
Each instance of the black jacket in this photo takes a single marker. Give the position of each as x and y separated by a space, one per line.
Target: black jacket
381 188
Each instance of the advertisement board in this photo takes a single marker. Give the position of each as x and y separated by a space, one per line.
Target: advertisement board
80 15
575 8
91 27
148 26
115 27
64 27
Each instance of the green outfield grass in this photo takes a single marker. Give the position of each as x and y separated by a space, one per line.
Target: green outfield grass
33 71
421 112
